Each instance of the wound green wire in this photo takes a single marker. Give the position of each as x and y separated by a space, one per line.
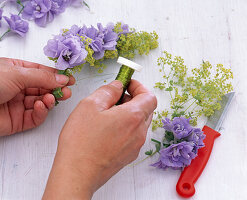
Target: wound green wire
124 75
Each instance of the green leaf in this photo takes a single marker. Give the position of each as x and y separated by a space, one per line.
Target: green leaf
169 136
57 93
149 153
166 145
157 146
156 141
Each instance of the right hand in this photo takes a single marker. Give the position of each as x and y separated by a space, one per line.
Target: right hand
99 139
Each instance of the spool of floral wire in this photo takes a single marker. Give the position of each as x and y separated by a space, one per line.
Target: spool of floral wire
125 73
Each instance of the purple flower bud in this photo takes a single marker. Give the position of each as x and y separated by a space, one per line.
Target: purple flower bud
17 25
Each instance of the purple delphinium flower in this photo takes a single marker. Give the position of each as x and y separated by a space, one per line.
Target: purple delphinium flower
176 156
68 51
17 25
197 138
180 127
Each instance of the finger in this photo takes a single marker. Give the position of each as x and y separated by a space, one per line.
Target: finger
49 101
39 78
36 116
71 81
126 98
44 91
66 94
149 120
30 100
36 91
27 64
106 96
142 99
32 91
135 88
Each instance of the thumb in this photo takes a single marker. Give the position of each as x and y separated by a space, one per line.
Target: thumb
40 78
106 96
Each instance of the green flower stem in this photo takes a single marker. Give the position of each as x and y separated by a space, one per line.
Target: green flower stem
190 105
124 75
139 162
4 34
22 6
57 93
85 3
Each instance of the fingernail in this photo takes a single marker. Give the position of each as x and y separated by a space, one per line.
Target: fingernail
117 84
62 79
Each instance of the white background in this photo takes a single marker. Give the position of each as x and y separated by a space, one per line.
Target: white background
194 29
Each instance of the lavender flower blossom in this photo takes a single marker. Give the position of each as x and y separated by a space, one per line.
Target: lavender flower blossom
176 156
180 127
43 11
101 39
17 25
109 36
39 11
69 51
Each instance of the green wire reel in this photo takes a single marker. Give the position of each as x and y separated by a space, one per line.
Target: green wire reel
125 73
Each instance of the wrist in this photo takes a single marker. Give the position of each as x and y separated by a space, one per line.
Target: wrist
66 181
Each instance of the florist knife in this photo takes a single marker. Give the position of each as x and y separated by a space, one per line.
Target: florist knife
185 186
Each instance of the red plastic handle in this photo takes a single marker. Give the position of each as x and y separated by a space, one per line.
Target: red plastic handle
185 186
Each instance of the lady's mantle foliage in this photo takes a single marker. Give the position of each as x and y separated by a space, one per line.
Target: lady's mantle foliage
192 95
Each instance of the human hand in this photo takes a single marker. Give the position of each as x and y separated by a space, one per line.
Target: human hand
99 139
25 97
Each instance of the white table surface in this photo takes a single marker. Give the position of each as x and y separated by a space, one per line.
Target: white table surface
194 29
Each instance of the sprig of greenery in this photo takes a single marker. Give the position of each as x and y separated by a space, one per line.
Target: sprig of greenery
191 95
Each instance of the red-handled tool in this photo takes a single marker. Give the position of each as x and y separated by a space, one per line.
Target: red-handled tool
185 186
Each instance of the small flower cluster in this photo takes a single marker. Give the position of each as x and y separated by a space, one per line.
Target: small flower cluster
180 144
41 11
74 47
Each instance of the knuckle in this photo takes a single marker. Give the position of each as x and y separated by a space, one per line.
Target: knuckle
151 99
137 116
109 91
50 77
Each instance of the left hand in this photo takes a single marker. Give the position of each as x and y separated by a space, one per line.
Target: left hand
25 94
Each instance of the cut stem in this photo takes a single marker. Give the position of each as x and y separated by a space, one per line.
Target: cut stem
4 34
